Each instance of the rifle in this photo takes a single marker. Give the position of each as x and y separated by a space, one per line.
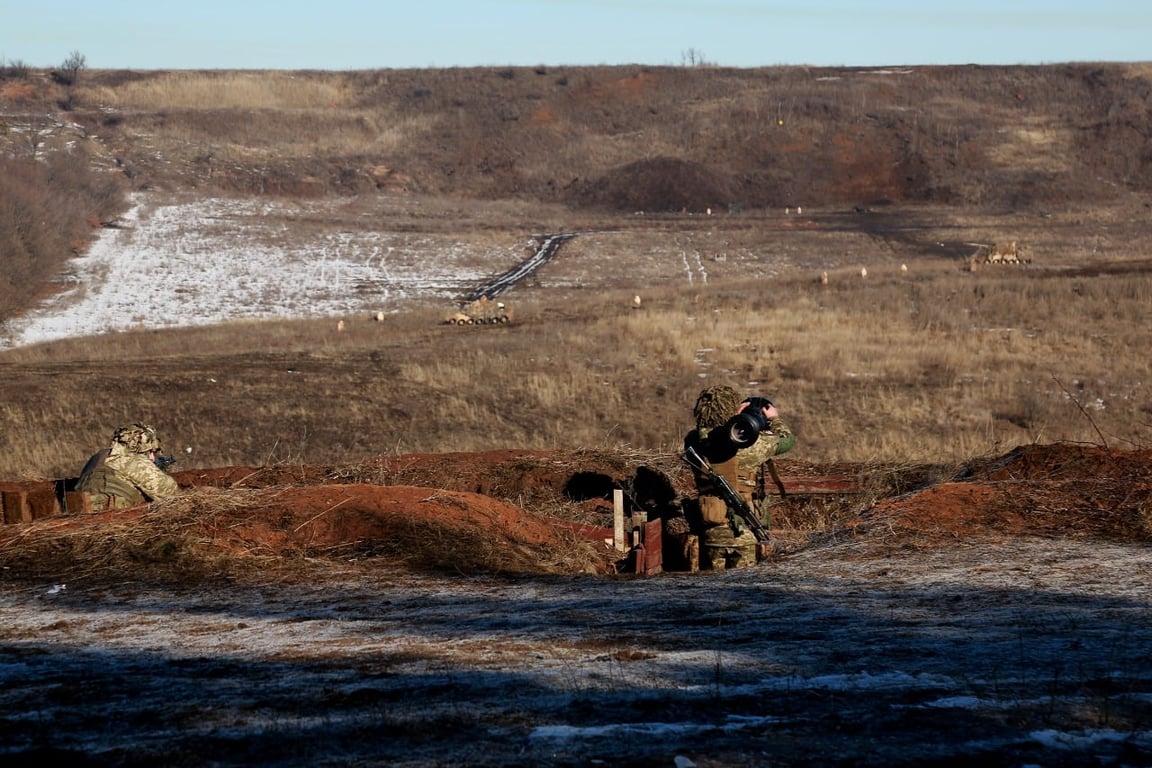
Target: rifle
731 497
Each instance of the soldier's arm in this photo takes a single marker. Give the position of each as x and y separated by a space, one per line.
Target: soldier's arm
153 481
781 440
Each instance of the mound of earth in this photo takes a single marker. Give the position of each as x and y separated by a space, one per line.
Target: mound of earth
661 184
1072 491
501 511
211 533
551 512
527 475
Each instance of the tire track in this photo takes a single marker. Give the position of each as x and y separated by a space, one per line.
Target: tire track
503 282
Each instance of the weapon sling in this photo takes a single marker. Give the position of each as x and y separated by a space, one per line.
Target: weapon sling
734 500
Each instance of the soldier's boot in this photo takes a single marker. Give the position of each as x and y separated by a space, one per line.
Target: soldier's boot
715 558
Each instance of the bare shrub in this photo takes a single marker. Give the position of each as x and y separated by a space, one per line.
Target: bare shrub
14 70
69 71
46 214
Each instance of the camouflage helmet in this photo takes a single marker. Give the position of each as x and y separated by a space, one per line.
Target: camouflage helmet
137 438
714 406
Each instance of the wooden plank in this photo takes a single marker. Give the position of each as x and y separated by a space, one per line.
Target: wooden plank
589 532
638 558
638 520
76 503
654 546
42 501
819 485
618 519
15 505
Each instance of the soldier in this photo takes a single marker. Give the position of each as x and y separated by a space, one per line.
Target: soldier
725 542
126 473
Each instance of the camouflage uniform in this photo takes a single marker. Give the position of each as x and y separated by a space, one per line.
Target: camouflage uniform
725 540
124 474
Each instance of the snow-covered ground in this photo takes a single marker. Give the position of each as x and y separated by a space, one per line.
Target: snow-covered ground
214 260
176 263
1033 652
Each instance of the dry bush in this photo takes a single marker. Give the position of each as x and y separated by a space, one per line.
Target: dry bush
47 209
15 69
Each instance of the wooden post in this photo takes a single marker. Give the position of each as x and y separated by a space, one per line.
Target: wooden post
42 501
76 503
638 520
618 519
653 546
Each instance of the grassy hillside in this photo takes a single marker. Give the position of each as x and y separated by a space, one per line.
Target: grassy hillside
903 165
623 137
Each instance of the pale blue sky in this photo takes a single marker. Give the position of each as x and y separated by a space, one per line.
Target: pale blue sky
375 34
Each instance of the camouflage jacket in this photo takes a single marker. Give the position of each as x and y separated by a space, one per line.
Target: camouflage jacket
115 478
745 472
744 469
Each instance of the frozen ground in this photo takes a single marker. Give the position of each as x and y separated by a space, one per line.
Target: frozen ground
179 263
1025 653
213 260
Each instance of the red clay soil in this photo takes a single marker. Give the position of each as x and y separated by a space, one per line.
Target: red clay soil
327 516
480 510
1038 490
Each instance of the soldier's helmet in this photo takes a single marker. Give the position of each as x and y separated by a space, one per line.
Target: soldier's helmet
715 406
137 438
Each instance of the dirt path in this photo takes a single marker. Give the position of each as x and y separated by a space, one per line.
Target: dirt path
548 249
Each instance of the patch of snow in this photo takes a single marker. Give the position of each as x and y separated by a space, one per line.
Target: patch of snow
215 260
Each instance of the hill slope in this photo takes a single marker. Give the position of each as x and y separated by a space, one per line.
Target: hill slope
621 138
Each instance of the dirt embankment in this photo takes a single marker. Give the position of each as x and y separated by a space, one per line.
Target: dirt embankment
549 512
1071 491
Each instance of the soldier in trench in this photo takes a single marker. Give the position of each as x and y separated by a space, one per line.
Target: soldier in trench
725 542
126 473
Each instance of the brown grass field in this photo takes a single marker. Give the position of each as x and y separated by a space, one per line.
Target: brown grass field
937 364
419 495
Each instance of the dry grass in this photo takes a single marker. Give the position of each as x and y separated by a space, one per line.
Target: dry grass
218 537
248 90
935 366
932 369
